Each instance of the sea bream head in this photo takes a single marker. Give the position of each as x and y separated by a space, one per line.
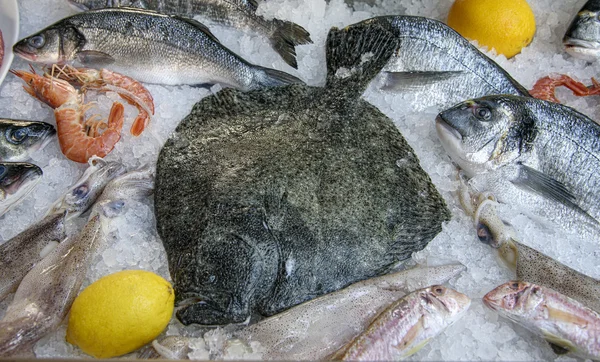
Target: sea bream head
582 39
18 139
486 133
56 44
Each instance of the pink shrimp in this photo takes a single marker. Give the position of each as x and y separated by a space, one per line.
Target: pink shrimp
545 87
79 140
104 80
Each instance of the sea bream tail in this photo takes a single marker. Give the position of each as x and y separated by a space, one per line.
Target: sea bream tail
357 53
286 35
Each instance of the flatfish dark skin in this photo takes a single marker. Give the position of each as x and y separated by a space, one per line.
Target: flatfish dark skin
270 198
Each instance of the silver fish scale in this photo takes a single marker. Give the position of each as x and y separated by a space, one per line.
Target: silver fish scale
150 47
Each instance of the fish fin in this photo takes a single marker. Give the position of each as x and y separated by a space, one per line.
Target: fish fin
285 37
546 185
558 349
565 316
410 337
198 25
267 77
356 54
94 57
416 348
558 342
416 79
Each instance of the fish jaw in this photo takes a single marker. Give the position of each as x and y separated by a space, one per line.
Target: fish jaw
582 49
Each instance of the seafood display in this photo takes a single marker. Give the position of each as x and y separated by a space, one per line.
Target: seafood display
407 325
184 51
563 322
539 155
21 138
240 14
17 180
267 243
582 38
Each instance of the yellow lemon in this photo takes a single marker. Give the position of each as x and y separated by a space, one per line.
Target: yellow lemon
120 312
505 25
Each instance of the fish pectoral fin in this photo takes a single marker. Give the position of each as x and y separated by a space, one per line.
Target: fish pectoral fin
409 338
559 345
416 348
198 25
558 349
94 57
411 80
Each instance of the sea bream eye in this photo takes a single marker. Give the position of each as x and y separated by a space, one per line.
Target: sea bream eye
482 113
37 41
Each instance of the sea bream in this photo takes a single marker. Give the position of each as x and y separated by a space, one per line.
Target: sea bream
239 14
582 39
147 46
539 156
439 66
17 180
269 198
565 323
18 139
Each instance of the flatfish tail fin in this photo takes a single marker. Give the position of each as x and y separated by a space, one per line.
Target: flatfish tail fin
357 53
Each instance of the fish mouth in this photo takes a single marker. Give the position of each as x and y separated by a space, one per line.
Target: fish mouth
20 50
31 174
580 43
443 127
582 49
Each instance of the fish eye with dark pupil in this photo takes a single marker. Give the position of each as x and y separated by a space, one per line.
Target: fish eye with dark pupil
482 113
514 285
18 135
438 290
81 191
37 41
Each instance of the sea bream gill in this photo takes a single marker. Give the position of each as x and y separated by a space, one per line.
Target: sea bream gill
439 65
147 46
273 197
582 39
539 156
239 14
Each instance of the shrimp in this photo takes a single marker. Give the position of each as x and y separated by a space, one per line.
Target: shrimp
544 88
104 80
78 139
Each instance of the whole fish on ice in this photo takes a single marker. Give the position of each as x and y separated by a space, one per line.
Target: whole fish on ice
147 46
568 325
319 327
439 65
539 156
407 325
17 180
47 292
273 197
239 14
582 39
21 138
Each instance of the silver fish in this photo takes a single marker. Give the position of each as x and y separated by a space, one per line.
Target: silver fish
18 139
407 325
239 14
582 39
148 46
529 264
17 180
84 193
47 292
318 328
539 156
439 65
560 320
19 254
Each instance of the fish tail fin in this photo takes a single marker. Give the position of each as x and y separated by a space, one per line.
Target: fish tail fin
286 35
357 53
267 77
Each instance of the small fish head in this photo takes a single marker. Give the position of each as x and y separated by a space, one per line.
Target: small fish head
447 301
582 39
21 138
514 299
17 179
471 131
53 45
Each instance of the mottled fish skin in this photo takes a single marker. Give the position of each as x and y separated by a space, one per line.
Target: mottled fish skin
270 198
582 39
316 329
439 65
85 192
539 156
529 264
557 318
18 139
147 46
239 14
19 254
17 180
407 325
